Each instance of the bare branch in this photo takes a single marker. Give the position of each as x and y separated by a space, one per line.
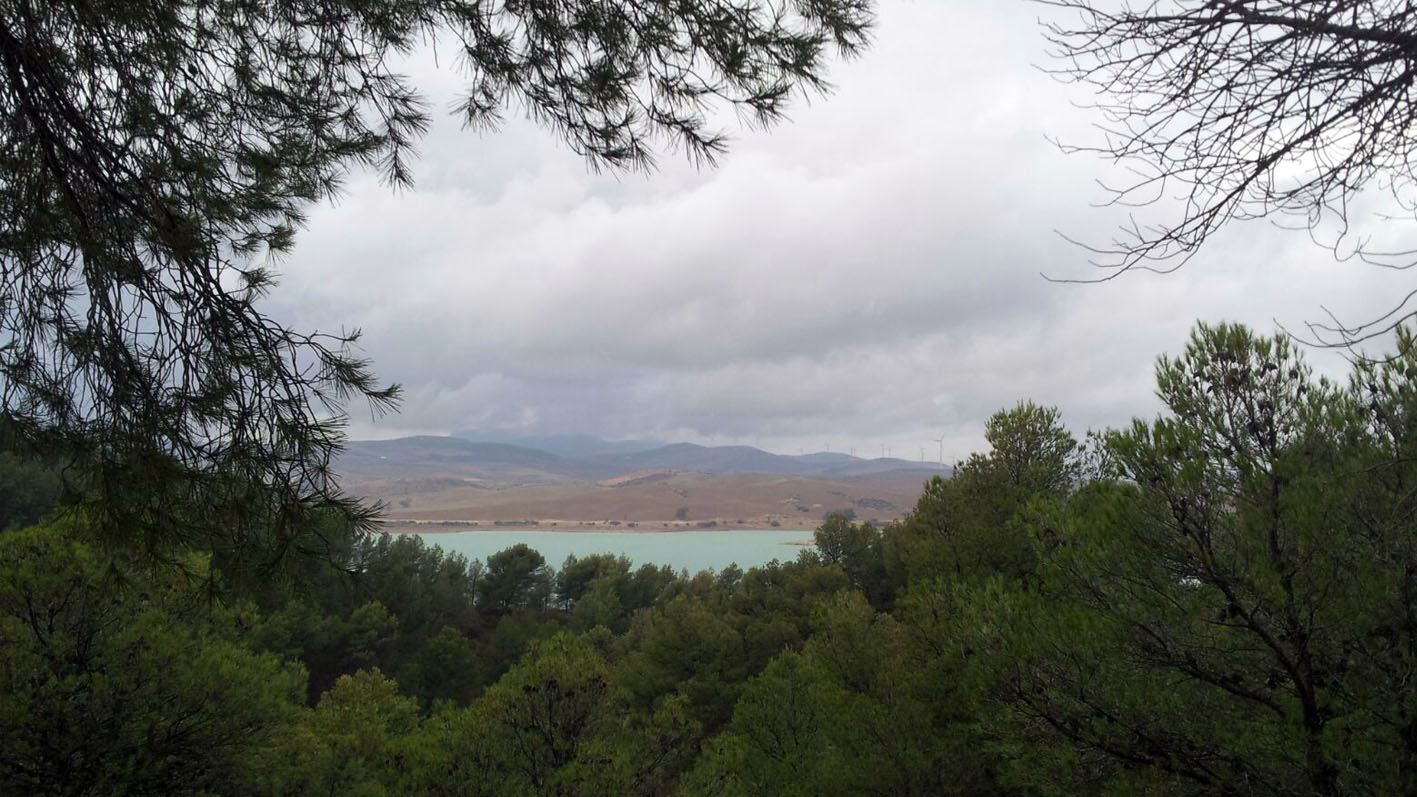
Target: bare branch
1254 109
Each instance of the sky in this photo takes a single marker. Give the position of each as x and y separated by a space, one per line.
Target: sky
864 277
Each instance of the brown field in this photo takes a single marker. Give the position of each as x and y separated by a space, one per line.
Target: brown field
650 500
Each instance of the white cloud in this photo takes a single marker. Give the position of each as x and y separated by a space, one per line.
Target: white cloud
865 275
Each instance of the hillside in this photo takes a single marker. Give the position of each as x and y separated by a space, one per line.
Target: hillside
654 501
450 480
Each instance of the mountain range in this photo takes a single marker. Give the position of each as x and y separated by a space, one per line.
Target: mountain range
451 483
499 463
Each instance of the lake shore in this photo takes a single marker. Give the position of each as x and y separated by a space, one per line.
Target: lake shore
419 526
692 550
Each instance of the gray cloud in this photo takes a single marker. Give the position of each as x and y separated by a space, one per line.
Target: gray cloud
866 275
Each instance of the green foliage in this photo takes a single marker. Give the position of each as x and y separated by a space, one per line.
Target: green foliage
576 575
400 594
841 542
973 524
774 744
600 606
1228 613
446 667
601 589
1222 597
685 648
420 584
516 577
857 550
533 723
329 645
348 743
554 724
513 634
1030 450
858 711
29 490
113 682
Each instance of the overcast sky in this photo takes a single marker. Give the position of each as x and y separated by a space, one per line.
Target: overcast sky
865 275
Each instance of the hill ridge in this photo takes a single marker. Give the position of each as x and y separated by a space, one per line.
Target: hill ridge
502 461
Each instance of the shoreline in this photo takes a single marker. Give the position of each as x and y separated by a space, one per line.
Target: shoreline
418 526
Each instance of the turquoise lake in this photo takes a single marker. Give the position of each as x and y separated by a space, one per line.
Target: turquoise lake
681 550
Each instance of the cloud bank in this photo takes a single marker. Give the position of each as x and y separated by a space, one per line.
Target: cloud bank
867 275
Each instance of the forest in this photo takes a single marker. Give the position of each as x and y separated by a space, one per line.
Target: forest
1222 598
1219 599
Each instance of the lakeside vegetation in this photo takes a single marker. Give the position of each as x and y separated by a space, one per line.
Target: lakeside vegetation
1222 595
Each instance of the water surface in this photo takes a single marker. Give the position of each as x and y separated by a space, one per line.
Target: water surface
681 550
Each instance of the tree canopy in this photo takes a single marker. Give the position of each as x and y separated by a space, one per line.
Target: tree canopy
1225 601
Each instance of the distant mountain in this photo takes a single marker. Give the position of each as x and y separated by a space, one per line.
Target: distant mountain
451 456
829 458
704 459
565 445
746 459
503 463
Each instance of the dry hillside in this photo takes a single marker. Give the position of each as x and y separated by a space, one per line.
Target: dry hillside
650 500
